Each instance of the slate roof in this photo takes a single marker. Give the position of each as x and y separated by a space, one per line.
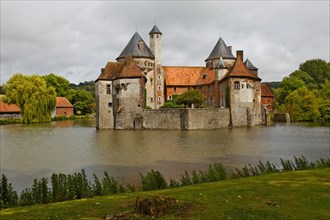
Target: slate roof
240 70
220 50
266 91
155 30
221 64
181 75
62 102
6 108
250 65
132 48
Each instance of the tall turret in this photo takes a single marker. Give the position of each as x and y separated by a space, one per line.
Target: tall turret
156 44
158 82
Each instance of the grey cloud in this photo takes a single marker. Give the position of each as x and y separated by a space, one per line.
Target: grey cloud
75 39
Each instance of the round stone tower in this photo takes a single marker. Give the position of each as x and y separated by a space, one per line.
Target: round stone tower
156 44
156 49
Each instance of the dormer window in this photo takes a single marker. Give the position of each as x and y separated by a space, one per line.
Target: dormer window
204 76
140 45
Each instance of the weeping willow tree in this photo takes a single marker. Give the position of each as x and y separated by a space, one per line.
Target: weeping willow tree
30 93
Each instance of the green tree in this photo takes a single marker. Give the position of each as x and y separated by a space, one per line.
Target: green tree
291 83
35 100
316 68
83 101
302 105
308 80
288 85
190 97
324 107
8 197
59 83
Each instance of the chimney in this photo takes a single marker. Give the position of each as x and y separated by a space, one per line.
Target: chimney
239 53
128 60
230 48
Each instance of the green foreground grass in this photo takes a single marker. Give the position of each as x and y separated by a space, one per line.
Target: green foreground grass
287 195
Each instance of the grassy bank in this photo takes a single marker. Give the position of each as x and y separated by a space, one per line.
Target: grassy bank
287 195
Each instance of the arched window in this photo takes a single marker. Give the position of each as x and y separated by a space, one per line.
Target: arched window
236 85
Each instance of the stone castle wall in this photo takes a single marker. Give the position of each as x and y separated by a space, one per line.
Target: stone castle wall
104 105
162 119
186 119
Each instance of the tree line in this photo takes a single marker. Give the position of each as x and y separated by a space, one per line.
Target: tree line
36 95
62 187
305 93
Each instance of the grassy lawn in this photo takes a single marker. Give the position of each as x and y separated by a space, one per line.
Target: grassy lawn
289 195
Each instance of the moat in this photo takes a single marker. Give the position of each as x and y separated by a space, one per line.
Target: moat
38 150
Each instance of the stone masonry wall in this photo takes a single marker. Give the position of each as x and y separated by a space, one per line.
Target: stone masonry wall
186 119
104 102
162 119
208 118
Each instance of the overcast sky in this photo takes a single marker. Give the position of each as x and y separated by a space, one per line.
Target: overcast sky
75 39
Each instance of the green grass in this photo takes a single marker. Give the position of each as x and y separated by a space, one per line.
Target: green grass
294 195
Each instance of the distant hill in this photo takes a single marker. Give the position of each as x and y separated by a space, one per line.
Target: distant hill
273 85
88 86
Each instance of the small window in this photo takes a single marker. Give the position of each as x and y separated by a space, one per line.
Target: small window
169 97
236 85
110 105
204 76
151 99
174 89
151 81
159 88
108 89
242 86
158 77
159 98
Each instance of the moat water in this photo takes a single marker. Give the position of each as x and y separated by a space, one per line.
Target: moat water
38 150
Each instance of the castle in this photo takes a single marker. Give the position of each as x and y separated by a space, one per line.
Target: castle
137 81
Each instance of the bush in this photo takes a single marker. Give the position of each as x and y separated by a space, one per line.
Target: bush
152 181
170 104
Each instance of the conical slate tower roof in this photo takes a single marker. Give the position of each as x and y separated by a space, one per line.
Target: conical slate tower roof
221 64
250 65
137 48
155 30
220 50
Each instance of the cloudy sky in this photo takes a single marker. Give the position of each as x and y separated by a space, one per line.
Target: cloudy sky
75 39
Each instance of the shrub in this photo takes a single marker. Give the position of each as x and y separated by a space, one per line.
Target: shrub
185 179
152 181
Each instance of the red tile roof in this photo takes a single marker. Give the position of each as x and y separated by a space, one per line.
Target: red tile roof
4 107
110 70
130 69
240 70
266 91
116 70
207 76
181 75
62 102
